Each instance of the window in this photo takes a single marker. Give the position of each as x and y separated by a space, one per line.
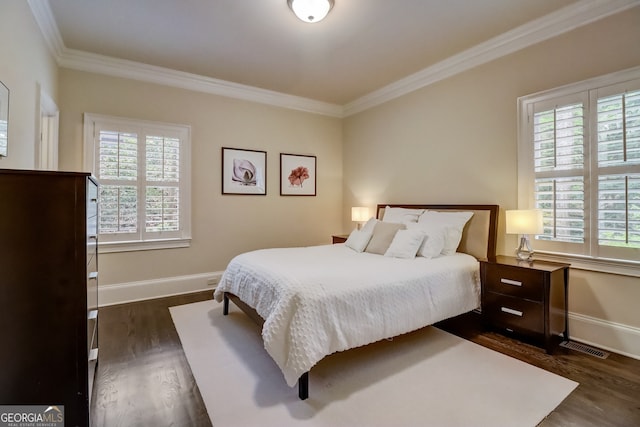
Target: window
143 170
579 162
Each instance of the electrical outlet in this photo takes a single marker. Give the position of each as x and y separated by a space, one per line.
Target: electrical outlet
213 281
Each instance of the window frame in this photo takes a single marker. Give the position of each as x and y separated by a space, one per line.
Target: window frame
143 240
588 255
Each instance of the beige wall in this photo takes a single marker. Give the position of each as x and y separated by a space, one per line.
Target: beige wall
456 142
26 67
222 226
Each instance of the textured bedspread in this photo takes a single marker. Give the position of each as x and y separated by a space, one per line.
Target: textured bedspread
321 299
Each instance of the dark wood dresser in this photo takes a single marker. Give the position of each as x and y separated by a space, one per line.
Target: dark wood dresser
526 298
48 290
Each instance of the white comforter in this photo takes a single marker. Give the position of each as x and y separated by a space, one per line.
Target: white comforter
321 299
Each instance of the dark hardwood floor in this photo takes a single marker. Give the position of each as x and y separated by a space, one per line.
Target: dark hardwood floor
609 390
143 378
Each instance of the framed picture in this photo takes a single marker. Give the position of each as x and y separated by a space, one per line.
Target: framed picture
297 175
244 171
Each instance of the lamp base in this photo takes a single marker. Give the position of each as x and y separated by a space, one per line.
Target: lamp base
524 251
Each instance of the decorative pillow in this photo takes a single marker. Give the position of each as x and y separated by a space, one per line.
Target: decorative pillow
433 243
401 215
358 240
405 244
453 222
383 234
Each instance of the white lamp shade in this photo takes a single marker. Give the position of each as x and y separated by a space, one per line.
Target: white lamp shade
524 221
359 214
310 10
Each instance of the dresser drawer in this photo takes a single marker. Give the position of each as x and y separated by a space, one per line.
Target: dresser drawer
92 226
92 200
514 281
514 313
92 262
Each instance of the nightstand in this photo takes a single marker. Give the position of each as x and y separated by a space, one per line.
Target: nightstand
339 238
526 298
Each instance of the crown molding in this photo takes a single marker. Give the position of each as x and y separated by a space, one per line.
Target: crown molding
91 62
554 24
564 20
41 12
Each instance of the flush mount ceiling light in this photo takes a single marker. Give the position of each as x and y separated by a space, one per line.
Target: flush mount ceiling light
310 10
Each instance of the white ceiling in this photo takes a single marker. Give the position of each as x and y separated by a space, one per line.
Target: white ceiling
361 47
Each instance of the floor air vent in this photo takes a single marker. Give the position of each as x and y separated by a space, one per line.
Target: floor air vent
583 348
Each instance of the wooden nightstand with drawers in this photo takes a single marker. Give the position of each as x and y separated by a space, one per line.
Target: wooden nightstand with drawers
339 238
526 298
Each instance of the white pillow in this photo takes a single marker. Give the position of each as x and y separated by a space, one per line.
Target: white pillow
405 244
401 215
452 238
433 243
369 225
453 222
358 240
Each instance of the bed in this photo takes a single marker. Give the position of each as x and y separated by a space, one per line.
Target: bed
315 301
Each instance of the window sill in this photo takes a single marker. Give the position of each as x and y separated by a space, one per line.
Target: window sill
610 266
112 247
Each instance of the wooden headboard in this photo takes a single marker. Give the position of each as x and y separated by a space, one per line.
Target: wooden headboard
480 233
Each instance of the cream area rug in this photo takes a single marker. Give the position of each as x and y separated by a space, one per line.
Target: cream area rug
425 378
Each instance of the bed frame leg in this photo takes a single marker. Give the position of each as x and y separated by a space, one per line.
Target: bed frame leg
303 386
225 305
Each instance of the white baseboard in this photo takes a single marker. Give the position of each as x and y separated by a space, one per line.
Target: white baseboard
156 288
606 335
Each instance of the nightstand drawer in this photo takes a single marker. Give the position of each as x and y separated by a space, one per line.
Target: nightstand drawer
514 281
514 313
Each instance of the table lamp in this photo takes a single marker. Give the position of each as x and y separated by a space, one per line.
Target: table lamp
524 222
359 214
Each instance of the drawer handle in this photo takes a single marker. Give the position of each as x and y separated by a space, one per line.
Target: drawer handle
93 275
510 282
511 311
93 236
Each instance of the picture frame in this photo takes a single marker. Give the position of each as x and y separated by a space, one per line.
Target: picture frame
244 171
298 175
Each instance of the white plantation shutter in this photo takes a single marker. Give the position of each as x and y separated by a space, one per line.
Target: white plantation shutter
144 192
163 209
558 145
579 162
619 129
163 159
562 203
163 177
558 137
118 209
117 170
618 165
619 210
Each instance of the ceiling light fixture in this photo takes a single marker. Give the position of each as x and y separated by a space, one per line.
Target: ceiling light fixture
310 10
